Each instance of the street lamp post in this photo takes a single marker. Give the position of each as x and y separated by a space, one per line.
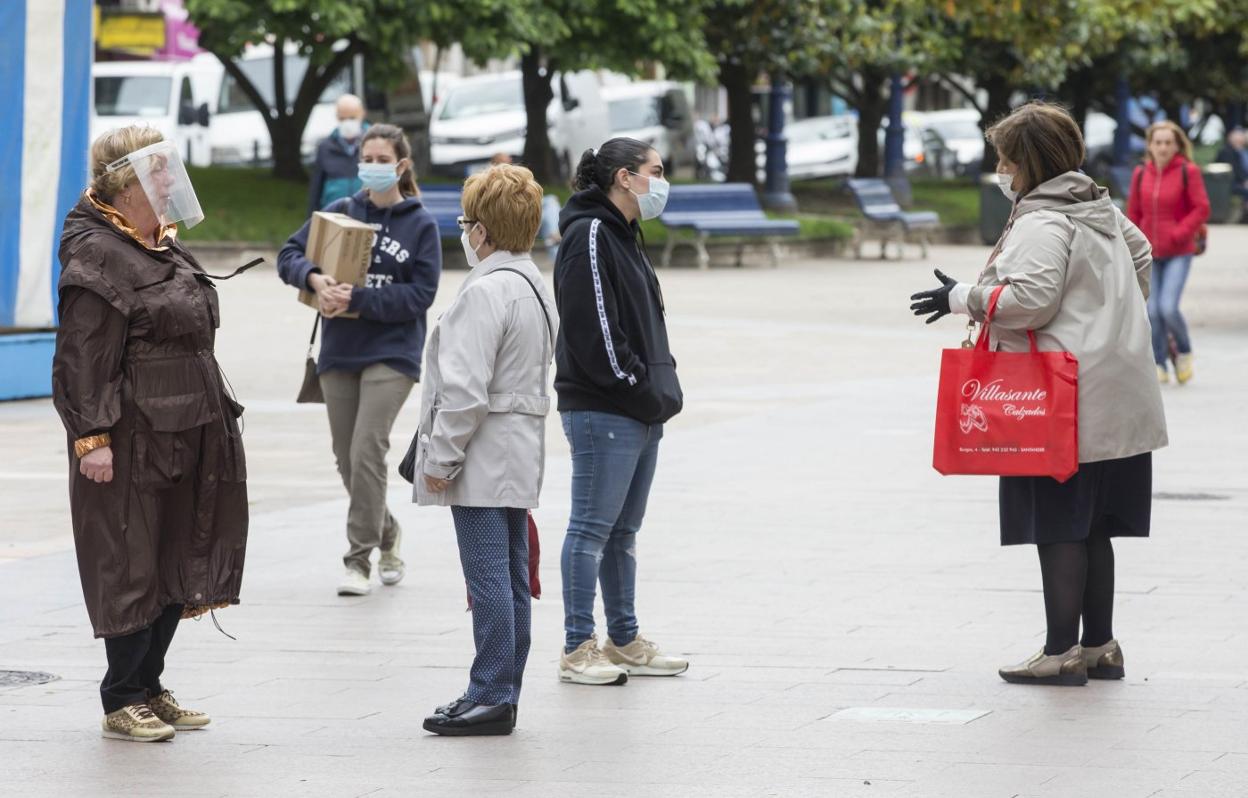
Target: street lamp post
776 194
1122 115
894 136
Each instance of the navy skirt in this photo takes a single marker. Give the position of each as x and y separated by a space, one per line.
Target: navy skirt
1111 497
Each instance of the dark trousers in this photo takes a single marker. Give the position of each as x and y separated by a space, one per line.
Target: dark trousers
136 661
494 550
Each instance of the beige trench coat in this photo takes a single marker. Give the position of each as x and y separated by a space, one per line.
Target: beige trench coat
485 399
1076 272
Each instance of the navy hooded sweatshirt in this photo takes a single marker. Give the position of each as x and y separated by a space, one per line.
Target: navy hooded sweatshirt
401 284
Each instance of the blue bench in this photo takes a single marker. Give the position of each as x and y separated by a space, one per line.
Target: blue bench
719 210
443 201
884 217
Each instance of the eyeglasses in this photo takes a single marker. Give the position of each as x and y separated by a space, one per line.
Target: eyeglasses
464 222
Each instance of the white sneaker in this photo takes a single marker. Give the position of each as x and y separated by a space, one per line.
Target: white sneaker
354 583
643 658
390 566
588 665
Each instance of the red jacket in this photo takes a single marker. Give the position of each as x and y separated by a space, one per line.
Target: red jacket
1167 214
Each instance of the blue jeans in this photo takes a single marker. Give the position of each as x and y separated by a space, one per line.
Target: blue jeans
613 461
1169 277
494 551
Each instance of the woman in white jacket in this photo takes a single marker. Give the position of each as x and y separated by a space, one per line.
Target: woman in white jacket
481 443
1076 272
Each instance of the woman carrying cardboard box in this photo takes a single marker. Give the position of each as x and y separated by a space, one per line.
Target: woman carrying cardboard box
368 364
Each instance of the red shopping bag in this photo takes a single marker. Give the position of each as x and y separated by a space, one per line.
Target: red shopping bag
1007 413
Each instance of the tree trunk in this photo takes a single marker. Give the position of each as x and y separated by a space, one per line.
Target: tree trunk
872 105
539 157
999 91
287 137
742 160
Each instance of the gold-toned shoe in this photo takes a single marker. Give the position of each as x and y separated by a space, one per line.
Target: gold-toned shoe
136 724
1066 669
1183 370
181 719
1104 662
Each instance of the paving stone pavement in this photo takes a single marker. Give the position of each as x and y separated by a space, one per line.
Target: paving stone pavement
844 607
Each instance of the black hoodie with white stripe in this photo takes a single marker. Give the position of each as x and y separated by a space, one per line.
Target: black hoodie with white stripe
613 354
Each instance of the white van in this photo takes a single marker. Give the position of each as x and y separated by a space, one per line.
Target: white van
655 112
176 98
237 132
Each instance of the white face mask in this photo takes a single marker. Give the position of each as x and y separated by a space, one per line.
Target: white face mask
350 128
651 203
470 253
1006 181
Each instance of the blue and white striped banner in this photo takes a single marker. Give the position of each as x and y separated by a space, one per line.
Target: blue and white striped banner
45 93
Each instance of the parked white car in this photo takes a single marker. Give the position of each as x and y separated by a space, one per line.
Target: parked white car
174 97
822 146
477 118
955 131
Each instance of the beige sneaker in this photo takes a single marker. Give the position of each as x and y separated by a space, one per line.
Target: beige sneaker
137 724
1066 669
588 665
643 658
1183 370
1163 376
181 719
391 566
1105 662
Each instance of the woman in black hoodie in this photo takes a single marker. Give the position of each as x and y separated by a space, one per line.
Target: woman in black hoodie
617 385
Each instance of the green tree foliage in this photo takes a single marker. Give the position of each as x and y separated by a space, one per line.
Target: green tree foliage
625 36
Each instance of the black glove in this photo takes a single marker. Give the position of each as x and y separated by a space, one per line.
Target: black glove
936 301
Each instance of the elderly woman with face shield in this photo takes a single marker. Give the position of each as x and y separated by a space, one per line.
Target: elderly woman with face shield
156 469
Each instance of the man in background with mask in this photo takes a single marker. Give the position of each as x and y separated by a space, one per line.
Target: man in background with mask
334 174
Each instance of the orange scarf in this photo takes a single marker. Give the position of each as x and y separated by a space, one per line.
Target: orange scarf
118 220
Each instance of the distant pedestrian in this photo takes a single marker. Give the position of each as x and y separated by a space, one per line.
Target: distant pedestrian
157 476
334 174
1235 155
1168 203
617 385
480 448
368 365
1074 271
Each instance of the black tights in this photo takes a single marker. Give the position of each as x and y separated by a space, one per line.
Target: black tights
1078 582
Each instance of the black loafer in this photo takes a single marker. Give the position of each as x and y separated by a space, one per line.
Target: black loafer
464 718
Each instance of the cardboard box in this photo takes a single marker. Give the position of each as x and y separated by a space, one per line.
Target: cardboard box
342 248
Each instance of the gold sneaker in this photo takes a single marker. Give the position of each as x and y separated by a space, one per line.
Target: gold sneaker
643 658
136 723
1104 662
1067 669
1163 376
181 719
1183 370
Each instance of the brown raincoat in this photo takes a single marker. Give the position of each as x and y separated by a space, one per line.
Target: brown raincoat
134 358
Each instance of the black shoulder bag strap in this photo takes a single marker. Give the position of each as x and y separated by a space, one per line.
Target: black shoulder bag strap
550 328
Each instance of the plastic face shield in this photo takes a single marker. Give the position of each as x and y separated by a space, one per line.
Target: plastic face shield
164 180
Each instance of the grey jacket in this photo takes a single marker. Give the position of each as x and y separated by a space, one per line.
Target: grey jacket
484 400
1076 272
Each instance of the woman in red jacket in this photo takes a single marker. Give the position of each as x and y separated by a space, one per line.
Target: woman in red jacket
1168 203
